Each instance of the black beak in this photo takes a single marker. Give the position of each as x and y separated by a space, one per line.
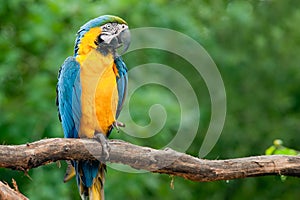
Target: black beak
124 40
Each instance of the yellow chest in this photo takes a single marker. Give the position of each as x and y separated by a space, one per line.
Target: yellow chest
99 94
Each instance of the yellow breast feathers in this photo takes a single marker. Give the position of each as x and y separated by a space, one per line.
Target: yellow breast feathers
99 94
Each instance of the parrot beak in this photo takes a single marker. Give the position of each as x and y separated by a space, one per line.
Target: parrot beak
119 39
124 40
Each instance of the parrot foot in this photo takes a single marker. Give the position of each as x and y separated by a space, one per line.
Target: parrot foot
117 125
104 143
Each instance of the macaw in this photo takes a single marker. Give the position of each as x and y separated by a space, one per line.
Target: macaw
91 90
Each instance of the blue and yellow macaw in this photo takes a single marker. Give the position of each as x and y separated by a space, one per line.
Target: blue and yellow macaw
90 93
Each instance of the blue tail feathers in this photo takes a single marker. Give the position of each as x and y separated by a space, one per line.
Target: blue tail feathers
86 171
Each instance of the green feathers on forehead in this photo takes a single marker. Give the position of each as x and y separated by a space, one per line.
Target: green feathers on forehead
99 21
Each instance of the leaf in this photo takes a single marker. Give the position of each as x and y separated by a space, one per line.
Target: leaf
278 149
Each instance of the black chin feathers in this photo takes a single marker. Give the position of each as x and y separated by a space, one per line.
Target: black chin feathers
103 47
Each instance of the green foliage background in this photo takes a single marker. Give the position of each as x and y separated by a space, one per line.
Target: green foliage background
255 44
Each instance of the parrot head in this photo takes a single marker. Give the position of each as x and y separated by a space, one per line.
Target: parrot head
105 33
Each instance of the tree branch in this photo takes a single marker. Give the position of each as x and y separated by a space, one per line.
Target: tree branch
168 161
8 193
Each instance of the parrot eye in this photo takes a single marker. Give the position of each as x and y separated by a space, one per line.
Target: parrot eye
107 27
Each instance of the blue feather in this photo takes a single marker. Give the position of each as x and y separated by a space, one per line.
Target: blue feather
89 170
122 80
68 97
69 106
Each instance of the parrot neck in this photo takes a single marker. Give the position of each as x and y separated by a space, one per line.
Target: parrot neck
103 51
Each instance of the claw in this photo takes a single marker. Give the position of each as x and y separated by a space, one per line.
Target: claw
105 146
117 124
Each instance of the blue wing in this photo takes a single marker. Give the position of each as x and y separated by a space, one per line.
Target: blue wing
69 107
68 97
122 81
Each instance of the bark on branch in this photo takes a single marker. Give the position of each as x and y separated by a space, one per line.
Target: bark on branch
7 193
168 161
